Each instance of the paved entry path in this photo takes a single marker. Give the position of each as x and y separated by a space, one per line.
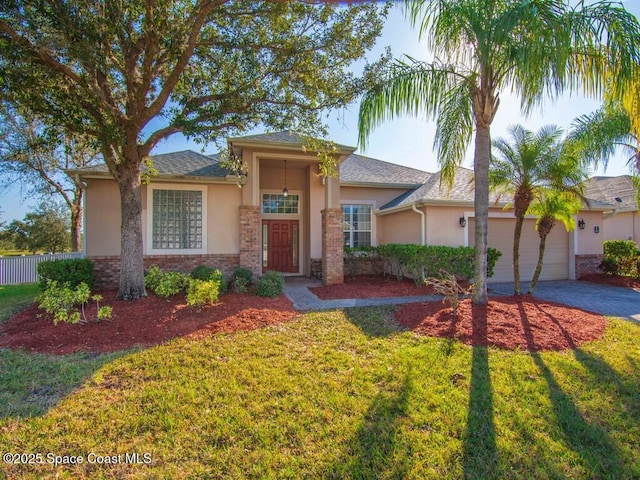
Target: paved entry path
612 301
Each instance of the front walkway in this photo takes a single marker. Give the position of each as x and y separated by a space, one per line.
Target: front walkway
611 301
297 290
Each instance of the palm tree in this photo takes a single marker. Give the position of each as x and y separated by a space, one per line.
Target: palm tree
536 48
549 207
526 165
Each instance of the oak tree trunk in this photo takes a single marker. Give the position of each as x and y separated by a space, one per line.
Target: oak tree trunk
131 253
76 224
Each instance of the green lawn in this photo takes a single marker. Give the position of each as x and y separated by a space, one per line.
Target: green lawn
329 395
15 297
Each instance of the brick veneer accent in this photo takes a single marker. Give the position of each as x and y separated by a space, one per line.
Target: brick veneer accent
332 246
251 239
107 269
588 264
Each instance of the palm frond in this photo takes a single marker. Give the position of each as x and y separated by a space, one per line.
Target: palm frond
407 88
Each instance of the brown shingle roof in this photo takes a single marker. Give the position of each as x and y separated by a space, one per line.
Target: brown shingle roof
617 191
358 169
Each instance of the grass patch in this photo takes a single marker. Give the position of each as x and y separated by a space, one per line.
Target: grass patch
344 395
15 297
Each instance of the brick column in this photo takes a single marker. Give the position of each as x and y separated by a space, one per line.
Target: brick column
332 246
250 239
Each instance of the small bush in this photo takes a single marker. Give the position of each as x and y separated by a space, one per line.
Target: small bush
71 272
61 301
166 284
624 254
448 285
203 272
202 292
270 284
241 279
609 266
621 249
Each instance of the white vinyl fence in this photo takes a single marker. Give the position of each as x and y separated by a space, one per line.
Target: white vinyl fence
15 270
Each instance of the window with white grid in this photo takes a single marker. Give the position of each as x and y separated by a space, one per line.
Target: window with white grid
356 225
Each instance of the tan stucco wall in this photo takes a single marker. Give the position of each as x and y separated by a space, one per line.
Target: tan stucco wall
622 226
273 178
586 241
443 226
223 219
400 227
102 216
316 205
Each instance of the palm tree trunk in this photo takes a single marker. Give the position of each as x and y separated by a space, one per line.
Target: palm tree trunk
517 233
536 273
481 196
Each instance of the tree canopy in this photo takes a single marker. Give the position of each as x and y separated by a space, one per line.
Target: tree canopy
37 156
130 74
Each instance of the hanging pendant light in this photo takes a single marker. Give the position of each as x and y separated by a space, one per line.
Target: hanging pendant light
285 191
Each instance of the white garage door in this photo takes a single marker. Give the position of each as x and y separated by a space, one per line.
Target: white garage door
556 255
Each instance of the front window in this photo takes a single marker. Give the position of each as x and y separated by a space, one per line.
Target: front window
356 225
177 219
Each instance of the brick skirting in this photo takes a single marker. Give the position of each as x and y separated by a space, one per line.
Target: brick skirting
107 269
588 264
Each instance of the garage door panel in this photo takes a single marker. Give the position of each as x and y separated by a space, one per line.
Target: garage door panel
500 236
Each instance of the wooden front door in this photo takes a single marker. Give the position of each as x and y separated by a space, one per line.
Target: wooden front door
280 245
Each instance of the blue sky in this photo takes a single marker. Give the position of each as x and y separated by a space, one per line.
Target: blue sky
406 141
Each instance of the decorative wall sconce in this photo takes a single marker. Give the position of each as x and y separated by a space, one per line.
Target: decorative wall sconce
323 179
581 224
462 221
596 229
285 191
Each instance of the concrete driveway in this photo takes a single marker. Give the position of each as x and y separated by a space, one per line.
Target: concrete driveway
612 301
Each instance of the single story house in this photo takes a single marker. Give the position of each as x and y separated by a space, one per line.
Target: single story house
623 221
194 213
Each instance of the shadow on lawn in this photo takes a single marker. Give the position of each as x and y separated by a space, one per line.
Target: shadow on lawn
590 441
480 454
374 321
31 384
375 450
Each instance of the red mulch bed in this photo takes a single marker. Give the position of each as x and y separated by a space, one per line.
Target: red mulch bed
370 286
146 322
512 323
613 280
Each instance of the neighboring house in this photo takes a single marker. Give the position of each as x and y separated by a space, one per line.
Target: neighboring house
194 213
623 223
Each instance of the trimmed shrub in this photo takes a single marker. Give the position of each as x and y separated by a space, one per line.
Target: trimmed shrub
166 284
423 261
202 292
624 255
71 272
622 249
203 272
241 279
270 284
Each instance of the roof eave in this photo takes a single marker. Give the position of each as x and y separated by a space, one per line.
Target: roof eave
408 186
229 179
296 147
